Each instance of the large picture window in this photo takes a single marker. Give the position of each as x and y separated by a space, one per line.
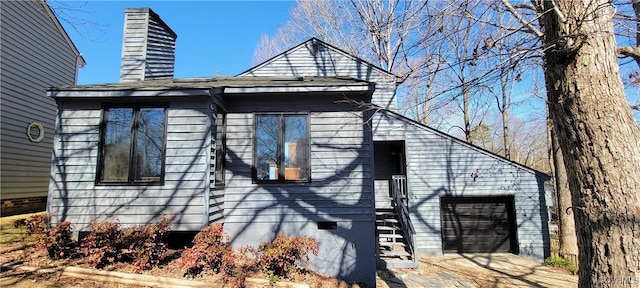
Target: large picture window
133 144
281 148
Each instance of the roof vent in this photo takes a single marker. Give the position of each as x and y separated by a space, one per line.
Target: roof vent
35 132
148 46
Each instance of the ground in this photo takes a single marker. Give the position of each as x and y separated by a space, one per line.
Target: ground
451 270
490 270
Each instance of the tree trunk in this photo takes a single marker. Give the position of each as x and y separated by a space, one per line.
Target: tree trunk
504 110
566 224
598 137
465 112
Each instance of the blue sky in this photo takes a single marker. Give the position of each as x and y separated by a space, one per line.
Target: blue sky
213 36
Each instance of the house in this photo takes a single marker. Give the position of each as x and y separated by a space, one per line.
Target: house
306 143
35 53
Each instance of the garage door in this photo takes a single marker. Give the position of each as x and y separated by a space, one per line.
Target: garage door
478 224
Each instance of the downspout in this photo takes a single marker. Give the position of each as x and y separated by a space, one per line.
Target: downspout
79 64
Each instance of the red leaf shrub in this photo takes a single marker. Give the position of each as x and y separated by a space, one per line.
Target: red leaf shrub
102 245
237 264
58 241
36 224
210 246
146 245
212 251
278 257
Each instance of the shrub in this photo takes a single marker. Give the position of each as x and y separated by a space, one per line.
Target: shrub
146 245
209 247
237 264
58 241
278 258
102 244
20 223
561 263
36 224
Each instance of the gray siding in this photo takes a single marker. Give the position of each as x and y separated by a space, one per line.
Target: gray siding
439 165
148 47
341 190
328 61
75 197
34 55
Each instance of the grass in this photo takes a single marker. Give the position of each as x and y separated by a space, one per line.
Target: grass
561 263
11 236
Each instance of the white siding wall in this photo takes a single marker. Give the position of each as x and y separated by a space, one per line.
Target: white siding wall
439 165
34 56
340 191
75 197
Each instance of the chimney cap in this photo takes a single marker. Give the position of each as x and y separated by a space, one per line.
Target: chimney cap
155 16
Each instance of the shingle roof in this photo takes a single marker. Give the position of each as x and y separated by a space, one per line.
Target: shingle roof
207 83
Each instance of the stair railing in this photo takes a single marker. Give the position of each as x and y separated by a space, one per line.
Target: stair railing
401 204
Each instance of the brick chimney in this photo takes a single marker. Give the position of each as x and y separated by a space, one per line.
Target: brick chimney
148 46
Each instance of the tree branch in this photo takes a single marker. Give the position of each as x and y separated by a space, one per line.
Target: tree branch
626 51
560 14
524 22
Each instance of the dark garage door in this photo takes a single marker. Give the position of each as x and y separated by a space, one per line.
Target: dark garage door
478 224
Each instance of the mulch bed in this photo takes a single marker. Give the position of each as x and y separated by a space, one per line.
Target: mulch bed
31 256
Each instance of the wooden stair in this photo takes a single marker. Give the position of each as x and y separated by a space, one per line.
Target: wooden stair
392 242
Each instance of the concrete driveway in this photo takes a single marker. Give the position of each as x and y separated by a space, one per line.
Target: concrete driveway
477 270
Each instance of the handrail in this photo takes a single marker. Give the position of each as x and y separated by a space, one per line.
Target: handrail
401 205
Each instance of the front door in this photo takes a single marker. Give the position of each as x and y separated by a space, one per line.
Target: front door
389 160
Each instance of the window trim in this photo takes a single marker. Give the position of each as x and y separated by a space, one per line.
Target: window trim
280 180
131 176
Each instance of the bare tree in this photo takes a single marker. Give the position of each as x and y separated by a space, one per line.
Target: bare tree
465 59
398 36
81 20
383 32
597 135
509 71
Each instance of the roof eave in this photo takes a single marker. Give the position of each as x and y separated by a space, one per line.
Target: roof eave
80 60
58 94
300 89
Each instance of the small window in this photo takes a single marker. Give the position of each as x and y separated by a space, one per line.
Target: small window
133 141
35 132
281 150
